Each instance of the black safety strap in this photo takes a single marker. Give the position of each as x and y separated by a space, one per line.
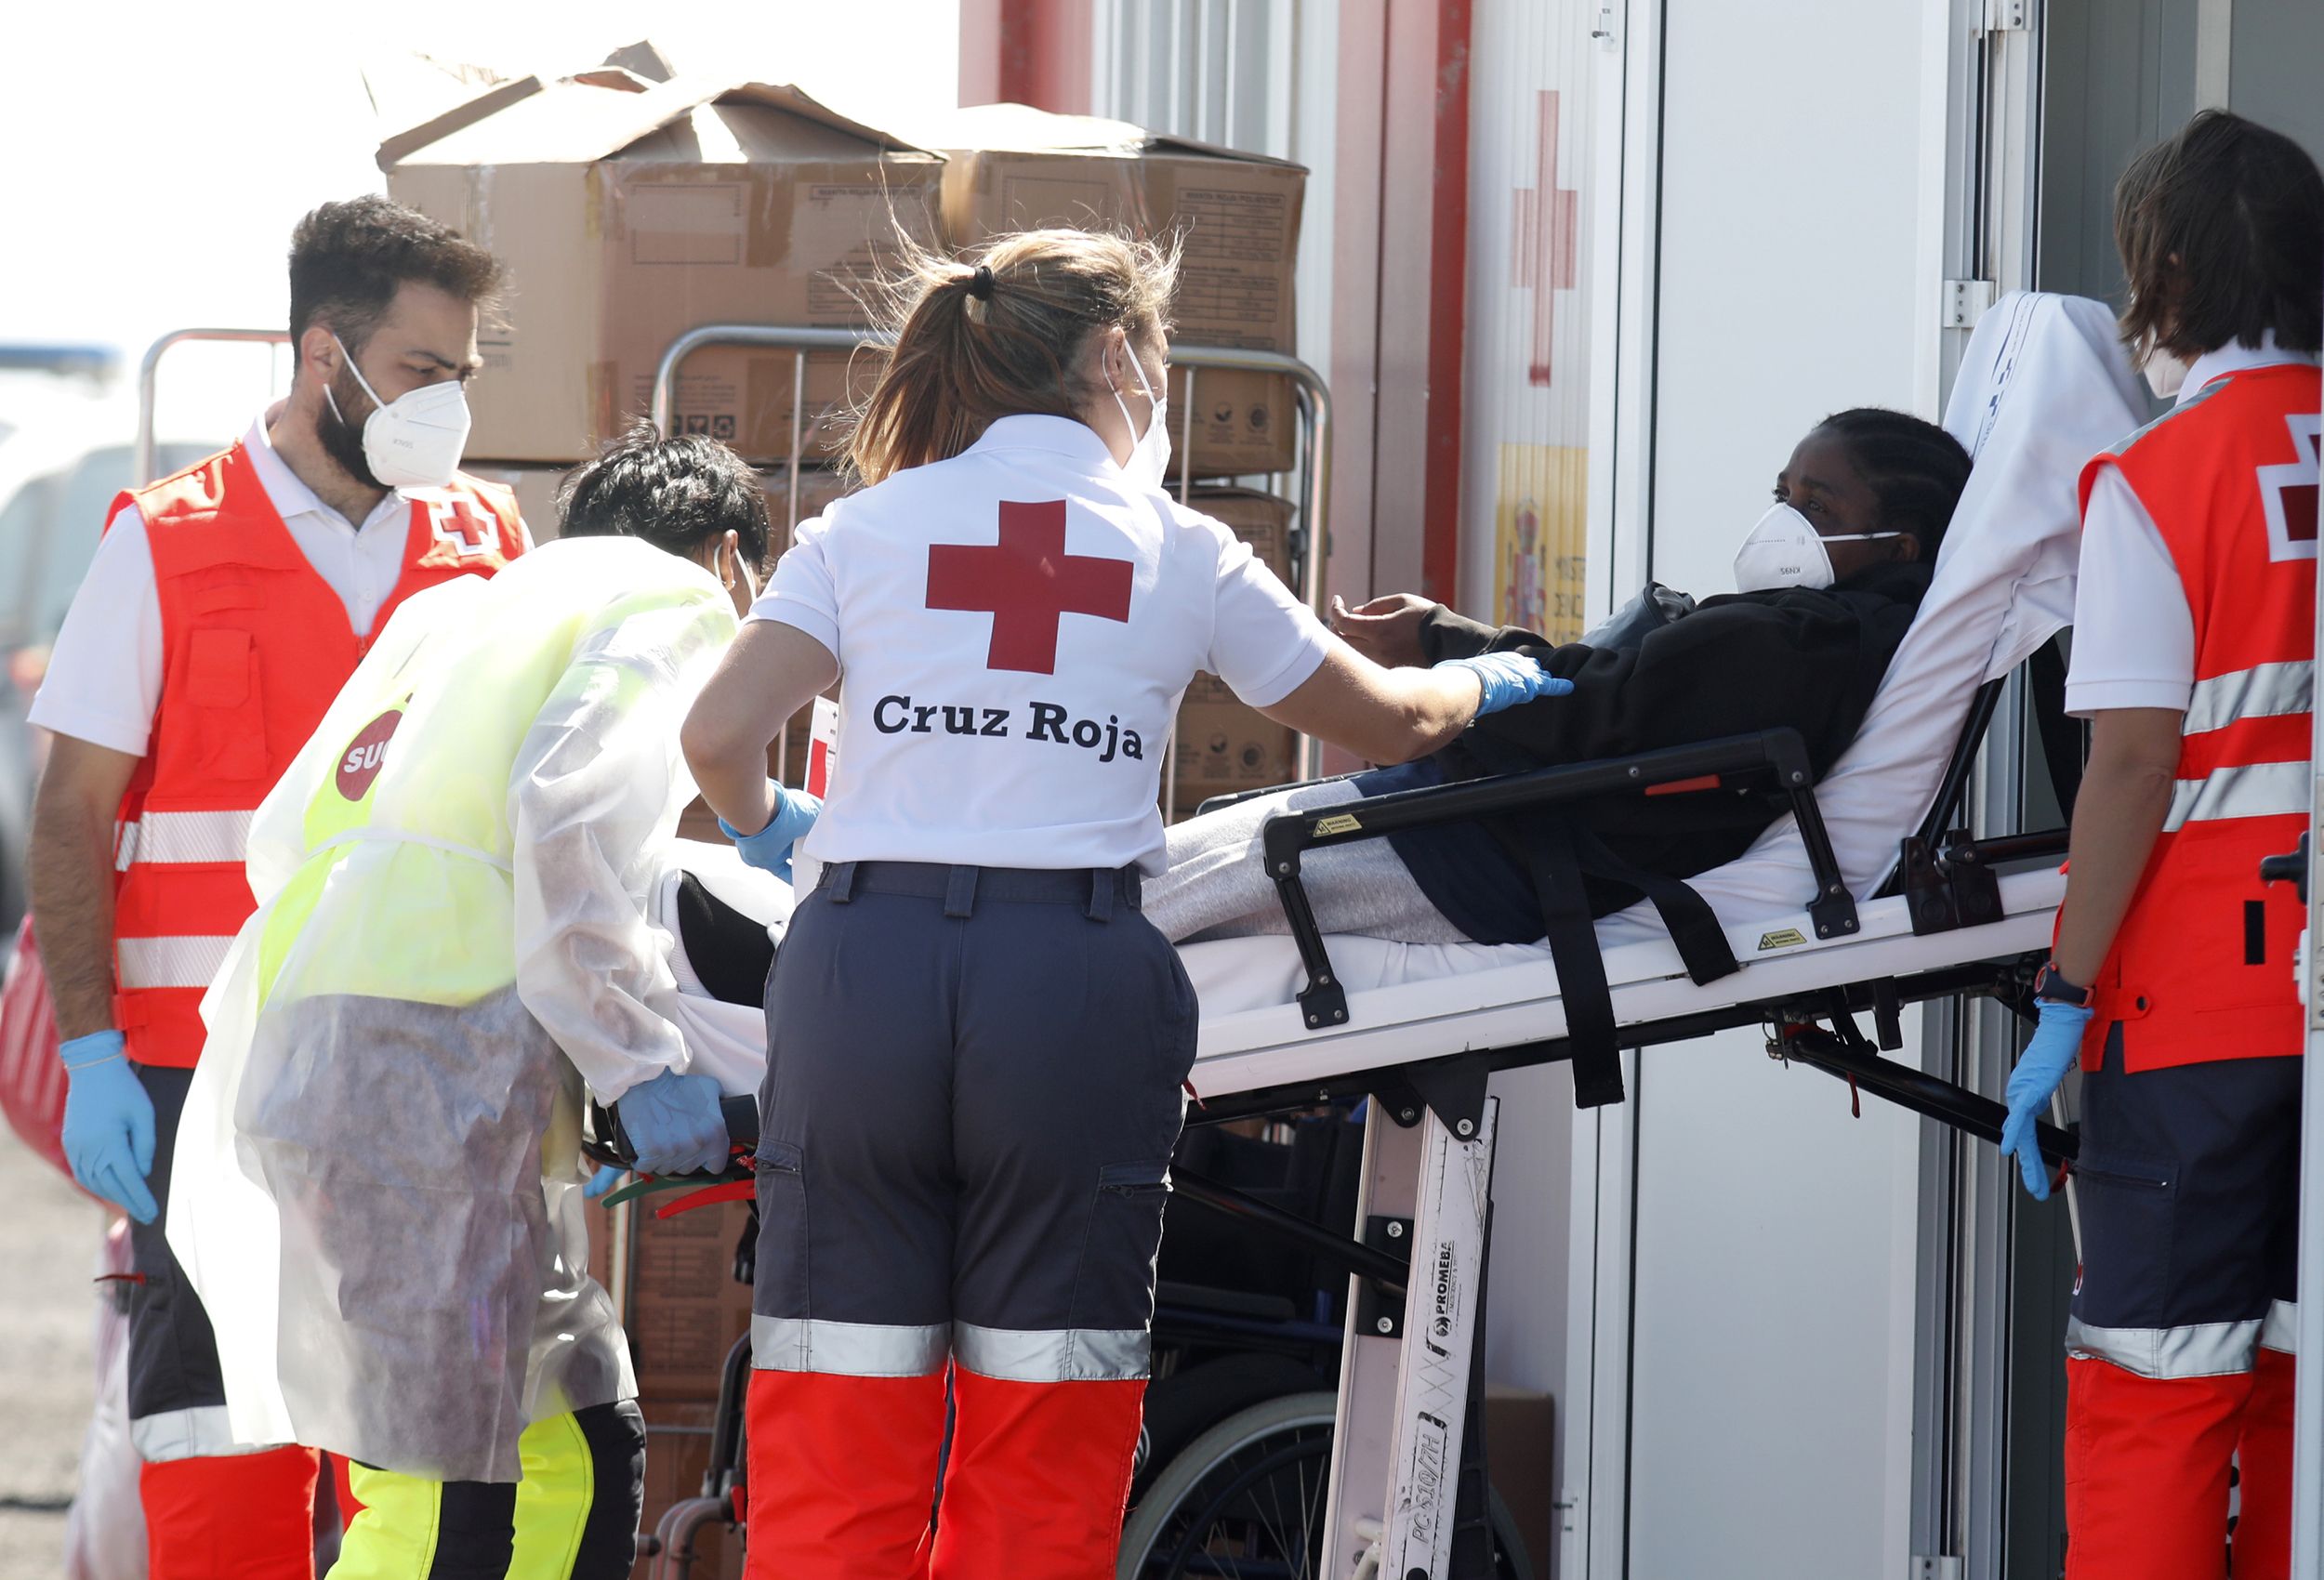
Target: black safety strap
1702 942
2062 748
1555 863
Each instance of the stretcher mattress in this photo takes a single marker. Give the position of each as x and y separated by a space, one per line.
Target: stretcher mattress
1411 1001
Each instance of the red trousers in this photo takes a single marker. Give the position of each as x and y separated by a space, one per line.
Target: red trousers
843 1476
231 1516
2146 1472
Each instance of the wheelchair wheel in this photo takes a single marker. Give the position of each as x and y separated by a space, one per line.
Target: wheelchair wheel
1244 1501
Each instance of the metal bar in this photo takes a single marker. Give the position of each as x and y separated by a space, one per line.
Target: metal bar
148 447
2048 845
1945 810
1185 438
799 437
1940 1099
1352 1256
1291 832
788 337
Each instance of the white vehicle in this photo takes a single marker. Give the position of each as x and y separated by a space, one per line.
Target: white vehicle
65 452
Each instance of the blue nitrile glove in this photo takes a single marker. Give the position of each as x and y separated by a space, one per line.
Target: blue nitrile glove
1508 678
603 1181
770 849
2058 1043
109 1124
674 1124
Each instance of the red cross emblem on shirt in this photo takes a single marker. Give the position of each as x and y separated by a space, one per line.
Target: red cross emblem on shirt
462 527
1028 584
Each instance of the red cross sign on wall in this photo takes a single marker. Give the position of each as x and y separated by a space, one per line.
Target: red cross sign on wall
1543 224
1028 584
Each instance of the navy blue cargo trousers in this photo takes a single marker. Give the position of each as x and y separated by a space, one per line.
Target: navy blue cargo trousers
973 1083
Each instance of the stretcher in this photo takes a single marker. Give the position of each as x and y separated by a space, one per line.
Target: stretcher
1867 894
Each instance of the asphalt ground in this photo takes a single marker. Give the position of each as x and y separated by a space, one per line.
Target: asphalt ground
50 1237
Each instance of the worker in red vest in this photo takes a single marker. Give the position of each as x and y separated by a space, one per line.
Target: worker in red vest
2173 980
225 607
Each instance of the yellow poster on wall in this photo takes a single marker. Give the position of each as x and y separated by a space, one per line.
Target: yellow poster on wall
1540 526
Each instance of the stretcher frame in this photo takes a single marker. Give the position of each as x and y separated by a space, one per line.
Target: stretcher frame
1399 1468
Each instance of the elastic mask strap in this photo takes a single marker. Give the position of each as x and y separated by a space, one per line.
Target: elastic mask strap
361 382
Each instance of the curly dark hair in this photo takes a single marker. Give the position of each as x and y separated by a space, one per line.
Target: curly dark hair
1915 469
676 494
348 258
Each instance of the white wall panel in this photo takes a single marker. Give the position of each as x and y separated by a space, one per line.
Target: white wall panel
1771 1368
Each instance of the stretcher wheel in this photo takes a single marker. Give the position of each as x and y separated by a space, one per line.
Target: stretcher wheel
1245 1500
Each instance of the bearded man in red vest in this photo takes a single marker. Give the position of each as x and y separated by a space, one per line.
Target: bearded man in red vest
2171 983
224 609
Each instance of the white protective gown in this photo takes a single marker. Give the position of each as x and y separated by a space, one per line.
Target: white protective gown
377 1183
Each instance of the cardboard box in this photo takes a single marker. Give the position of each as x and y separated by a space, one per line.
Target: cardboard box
1520 1456
1263 522
684 1311
1227 746
1243 423
677 1453
630 211
1236 218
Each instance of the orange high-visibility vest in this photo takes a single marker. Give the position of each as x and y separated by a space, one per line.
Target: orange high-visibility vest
2203 968
256 644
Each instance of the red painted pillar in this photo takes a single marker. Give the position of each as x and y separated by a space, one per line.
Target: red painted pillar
1032 52
1399 294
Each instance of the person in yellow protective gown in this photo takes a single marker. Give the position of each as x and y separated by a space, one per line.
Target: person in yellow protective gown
451 942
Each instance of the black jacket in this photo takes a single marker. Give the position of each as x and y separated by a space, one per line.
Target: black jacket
1811 660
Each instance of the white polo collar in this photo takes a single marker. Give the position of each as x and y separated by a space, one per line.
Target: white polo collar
289 494
1030 430
2235 357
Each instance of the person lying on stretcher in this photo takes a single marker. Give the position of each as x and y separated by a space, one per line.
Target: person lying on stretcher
1828 582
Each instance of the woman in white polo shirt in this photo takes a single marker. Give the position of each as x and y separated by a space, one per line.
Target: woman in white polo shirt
976 1042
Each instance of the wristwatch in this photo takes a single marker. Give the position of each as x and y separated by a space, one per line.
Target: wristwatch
2052 984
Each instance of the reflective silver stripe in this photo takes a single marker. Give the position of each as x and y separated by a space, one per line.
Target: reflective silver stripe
2203 1350
1053 1355
192 961
198 1434
2281 1330
2264 691
2254 790
848 1349
172 838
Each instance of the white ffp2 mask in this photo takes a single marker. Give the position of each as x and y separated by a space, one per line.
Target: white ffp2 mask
415 440
1150 451
1785 550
